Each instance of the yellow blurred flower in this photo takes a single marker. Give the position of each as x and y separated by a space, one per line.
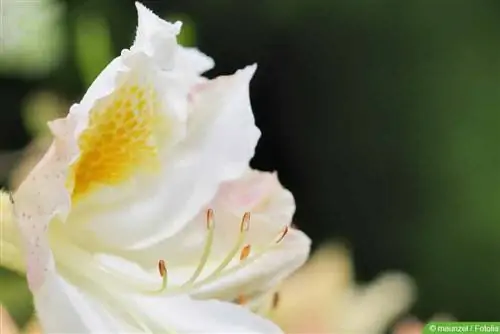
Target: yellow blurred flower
8 326
322 297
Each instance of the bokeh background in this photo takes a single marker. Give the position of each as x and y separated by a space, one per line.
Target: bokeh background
382 117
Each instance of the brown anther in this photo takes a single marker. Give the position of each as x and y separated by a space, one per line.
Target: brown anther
245 252
245 222
276 300
242 300
285 231
210 219
162 268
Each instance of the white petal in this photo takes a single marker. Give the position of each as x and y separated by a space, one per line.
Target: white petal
156 37
63 308
103 85
184 315
193 60
221 109
42 197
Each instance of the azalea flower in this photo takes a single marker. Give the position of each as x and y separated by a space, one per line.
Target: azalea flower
144 215
8 326
322 297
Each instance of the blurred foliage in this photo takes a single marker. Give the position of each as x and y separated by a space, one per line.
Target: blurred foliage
39 108
380 116
93 45
26 48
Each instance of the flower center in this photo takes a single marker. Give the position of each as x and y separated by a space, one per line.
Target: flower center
119 139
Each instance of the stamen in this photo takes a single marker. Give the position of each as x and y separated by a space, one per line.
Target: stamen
162 268
276 300
245 252
239 247
285 231
206 249
244 226
210 219
242 300
245 258
245 222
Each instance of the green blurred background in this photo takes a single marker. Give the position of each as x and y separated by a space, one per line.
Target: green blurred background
381 116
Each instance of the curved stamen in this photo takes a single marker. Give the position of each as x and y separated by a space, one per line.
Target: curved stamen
206 249
283 233
244 226
246 261
221 270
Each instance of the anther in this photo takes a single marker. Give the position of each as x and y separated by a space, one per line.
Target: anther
285 231
210 219
276 300
245 252
242 300
245 222
162 268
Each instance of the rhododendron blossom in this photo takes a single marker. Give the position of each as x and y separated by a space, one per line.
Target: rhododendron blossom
144 215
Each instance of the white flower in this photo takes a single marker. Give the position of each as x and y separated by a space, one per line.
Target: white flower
117 219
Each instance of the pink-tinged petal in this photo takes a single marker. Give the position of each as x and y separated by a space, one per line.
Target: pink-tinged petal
43 197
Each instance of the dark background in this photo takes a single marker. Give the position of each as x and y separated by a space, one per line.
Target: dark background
381 117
